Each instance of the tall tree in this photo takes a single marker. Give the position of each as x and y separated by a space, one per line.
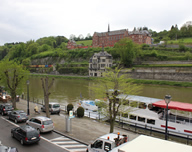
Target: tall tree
112 86
13 77
127 49
46 86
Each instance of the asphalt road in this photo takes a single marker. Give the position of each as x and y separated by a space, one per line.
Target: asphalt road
44 145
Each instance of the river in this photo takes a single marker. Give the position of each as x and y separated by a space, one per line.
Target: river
68 91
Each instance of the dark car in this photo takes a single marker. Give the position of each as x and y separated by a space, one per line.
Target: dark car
6 109
18 116
25 134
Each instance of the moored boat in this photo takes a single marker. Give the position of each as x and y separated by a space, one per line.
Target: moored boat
150 112
88 105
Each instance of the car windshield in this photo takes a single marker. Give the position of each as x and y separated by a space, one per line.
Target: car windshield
33 133
48 122
8 107
56 106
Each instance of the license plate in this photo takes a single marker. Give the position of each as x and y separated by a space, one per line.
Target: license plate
33 138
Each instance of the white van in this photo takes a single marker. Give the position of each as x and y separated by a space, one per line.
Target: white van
53 108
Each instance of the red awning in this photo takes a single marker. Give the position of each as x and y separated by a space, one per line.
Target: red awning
174 105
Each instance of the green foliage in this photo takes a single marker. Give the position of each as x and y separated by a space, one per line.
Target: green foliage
13 78
110 86
80 112
69 107
188 55
73 70
26 62
127 50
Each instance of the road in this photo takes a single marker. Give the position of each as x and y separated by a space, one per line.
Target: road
50 142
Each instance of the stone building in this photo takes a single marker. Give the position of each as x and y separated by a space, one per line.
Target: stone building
109 38
99 62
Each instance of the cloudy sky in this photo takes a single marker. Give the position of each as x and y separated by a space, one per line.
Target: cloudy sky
24 20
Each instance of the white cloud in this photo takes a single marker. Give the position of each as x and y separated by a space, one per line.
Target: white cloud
22 20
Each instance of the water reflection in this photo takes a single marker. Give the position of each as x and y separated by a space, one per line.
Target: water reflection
69 90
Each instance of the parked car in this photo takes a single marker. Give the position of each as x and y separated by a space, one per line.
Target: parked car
6 108
41 123
53 107
18 116
25 134
4 148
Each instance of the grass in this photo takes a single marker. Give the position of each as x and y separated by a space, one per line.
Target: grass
86 42
183 40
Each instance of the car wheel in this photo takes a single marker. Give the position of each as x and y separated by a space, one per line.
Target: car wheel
16 121
12 135
21 141
2 113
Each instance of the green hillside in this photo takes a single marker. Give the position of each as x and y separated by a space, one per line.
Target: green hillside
85 42
182 40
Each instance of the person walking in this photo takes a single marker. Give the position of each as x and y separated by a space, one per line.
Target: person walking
36 109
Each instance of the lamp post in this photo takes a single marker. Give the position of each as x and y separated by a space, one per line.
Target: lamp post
28 98
167 101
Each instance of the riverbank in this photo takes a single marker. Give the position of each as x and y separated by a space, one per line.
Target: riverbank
84 129
139 81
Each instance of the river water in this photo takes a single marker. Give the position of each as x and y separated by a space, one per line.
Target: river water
68 91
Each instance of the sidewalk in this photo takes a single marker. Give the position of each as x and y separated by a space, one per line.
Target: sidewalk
83 129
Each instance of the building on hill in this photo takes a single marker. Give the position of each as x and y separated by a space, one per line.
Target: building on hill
99 62
71 44
109 38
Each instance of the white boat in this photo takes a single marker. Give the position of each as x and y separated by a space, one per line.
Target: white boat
150 112
88 105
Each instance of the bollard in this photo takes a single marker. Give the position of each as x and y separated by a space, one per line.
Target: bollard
68 125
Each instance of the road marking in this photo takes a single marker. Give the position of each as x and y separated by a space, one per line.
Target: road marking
62 142
69 144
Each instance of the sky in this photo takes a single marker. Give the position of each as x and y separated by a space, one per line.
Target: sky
24 20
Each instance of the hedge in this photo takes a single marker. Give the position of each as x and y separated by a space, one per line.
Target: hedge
74 70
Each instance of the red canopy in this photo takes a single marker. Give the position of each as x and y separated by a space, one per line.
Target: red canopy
174 105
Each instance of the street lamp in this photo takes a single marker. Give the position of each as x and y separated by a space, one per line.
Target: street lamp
28 97
167 101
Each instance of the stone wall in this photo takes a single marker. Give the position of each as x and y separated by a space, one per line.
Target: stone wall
162 73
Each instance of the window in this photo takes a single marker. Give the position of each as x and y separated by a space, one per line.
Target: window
37 121
98 144
142 119
107 146
102 65
132 117
151 121
103 60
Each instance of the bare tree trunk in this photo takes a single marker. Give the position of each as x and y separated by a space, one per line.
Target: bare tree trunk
46 86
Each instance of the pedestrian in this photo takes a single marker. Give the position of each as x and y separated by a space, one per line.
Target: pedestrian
36 109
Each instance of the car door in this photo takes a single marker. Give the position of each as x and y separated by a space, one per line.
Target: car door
18 133
31 122
13 115
97 146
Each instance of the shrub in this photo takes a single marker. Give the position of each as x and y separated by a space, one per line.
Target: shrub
80 112
69 107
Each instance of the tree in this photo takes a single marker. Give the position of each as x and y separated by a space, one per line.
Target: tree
127 49
112 86
13 77
46 86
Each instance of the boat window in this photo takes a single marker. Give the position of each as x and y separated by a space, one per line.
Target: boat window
132 117
151 121
142 119
125 115
142 105
126 102
133 104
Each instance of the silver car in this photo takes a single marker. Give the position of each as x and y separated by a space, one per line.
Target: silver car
18 116
53 108
41 123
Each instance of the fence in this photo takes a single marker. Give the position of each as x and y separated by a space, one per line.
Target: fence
129 126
